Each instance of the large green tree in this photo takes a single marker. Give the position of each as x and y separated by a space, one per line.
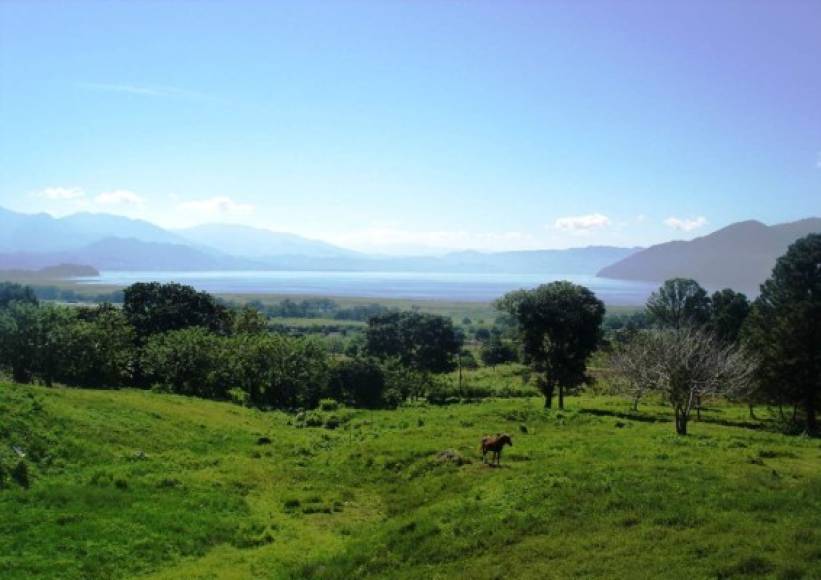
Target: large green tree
153 308
20 340
424 342
12 292
729 310
784 328
560 327
679 302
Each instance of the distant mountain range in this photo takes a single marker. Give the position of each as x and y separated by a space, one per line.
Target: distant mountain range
108 242
739 256
258 243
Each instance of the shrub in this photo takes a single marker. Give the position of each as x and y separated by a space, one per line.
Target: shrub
20 474
359 382
328 405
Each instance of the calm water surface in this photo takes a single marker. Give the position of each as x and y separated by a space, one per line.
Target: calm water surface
413 285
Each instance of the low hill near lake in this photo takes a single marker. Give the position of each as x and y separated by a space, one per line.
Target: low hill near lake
127 483
740 256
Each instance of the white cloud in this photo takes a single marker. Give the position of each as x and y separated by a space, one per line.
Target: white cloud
119 197
220 206
582 224
61 193
685 225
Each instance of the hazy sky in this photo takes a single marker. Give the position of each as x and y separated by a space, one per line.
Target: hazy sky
398 125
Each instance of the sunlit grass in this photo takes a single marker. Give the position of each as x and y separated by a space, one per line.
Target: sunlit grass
129 482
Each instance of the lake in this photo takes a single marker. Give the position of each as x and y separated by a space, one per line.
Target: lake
469 287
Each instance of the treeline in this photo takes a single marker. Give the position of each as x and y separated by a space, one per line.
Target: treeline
319 308
173 338
763 352
686 345
69 295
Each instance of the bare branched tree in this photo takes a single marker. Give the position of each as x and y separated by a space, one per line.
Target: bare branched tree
684 365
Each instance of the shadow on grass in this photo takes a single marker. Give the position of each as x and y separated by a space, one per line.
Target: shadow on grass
623 415
756 425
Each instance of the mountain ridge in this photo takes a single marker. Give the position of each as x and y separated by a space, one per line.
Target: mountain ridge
739 256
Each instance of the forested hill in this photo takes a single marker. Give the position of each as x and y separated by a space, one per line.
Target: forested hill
740 256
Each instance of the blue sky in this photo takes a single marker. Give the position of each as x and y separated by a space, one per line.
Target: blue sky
399 126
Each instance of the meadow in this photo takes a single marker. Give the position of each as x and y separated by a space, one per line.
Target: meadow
135 483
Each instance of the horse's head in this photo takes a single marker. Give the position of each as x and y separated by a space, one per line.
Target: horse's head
505 439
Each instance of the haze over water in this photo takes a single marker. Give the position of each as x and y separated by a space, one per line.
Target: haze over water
471 287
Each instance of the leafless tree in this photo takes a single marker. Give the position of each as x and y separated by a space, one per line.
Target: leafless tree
683 365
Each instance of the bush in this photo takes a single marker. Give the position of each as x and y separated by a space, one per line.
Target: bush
359 382
20 474
328 405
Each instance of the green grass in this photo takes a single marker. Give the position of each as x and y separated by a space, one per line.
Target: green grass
128 483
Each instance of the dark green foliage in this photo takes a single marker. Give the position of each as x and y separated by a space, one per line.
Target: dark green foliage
482 334
496 351
677 303
154 308
20 474
559 327
274 371
426 343
359 382
11 292
320 308
784 329
729 310
248 320
89 347
467 360
20 339
185 361
620 328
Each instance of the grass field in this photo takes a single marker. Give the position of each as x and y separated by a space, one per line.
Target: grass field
131 483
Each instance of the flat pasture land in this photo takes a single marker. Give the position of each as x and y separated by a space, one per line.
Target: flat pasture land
134 483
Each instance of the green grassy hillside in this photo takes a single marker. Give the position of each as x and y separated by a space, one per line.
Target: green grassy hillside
130 483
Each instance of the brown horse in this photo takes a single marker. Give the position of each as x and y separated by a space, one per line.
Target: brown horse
495 446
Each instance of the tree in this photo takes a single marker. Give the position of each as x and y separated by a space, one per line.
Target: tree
729 310
11 292
482 334
677 303
56 342
184 361
495 351
153 308
559 326
274 370
19 339
426 343
105 353
358 381
784 328
249 320
683 365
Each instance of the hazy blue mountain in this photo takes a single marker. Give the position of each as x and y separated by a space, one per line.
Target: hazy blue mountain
32 232
97 226
739 256
238 240
573 261
127 254
41 232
